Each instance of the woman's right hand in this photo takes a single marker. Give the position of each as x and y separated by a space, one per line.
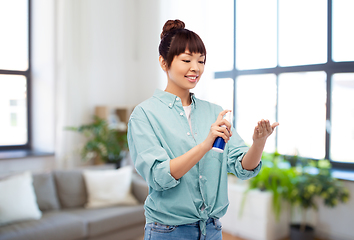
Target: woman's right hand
217 131
182 164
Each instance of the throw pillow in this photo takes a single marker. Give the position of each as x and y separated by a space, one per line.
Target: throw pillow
18 199
45 190
71 188
109 187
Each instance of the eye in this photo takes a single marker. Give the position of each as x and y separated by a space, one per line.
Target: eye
201 62
186 61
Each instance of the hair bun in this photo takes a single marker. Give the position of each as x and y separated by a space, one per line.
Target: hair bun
171 25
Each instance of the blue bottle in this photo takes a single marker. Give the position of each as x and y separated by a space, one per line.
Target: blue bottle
219 143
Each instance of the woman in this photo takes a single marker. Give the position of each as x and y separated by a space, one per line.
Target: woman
170 139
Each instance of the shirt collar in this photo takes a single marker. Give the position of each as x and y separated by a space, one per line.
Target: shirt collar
170 99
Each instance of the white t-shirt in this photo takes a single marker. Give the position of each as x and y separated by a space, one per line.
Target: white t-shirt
187 110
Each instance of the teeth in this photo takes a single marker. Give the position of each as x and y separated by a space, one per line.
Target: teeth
192 78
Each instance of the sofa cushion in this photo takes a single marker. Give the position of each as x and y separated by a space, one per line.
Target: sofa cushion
104 220
109 187
71 188
53 225
18 199
140 188
45 190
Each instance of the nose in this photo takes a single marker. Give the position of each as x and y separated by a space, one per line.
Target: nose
194 66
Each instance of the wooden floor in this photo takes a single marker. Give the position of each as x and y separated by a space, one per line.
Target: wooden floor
226 236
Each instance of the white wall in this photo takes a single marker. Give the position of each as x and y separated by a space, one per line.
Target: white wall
107 55
123 57
146 50
33 164
43 75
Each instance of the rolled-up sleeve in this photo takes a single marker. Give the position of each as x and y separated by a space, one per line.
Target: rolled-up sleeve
236 151
150 159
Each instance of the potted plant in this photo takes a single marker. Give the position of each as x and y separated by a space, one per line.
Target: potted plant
105 143
276 176
310 186
302 183
264 198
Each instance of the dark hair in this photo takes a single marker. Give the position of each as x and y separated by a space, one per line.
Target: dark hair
175 39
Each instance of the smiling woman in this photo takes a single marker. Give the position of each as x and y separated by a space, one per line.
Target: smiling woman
170 138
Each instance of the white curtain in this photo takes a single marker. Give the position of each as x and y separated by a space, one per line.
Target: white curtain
71 79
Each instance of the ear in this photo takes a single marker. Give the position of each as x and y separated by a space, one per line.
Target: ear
163 63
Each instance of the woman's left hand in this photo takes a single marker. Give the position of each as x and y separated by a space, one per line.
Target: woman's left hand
263 130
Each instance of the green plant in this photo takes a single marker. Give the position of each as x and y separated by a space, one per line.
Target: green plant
103 141
273 177
318 183
298 181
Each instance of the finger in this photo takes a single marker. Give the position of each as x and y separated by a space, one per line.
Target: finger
256 130
222 135
225 131
215 129
222 113
274 125
226 123
259 127
269 128
263 125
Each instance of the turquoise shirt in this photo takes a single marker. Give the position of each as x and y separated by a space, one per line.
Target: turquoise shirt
158 131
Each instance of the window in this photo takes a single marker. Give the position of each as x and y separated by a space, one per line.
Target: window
14 74
342 117
256 36
302 112
295 65
249 108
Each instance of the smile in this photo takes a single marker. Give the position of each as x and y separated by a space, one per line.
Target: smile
192 79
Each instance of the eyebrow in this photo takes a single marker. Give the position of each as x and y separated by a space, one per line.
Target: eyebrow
190 54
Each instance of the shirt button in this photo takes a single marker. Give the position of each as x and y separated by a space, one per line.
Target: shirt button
177 98
181 114
188 133
170 104
200 177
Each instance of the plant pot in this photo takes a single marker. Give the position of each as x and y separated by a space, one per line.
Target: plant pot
98 160
116 162
257 213
296 234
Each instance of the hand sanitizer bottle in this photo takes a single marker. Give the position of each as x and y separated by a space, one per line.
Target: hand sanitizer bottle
219 143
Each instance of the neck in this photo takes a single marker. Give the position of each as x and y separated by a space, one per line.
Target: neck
184 95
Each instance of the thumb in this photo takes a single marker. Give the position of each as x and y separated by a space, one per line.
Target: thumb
274 125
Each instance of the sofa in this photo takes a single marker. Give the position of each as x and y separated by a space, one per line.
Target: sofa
62 197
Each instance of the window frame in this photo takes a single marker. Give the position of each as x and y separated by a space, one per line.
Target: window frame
330 68
27 74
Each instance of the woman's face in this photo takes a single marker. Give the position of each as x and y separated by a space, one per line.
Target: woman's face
186 69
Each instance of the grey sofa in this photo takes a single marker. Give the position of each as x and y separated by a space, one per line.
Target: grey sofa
61 196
